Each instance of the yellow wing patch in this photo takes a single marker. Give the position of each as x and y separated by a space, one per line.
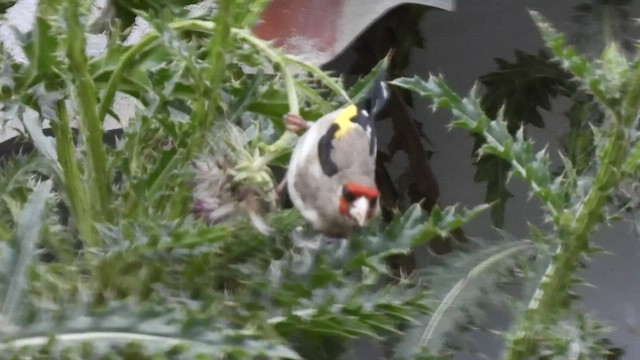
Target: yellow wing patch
343 120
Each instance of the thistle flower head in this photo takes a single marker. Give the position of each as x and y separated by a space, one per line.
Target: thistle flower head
232 178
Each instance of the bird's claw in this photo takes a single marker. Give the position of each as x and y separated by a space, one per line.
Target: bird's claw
295 123
282 187
333 240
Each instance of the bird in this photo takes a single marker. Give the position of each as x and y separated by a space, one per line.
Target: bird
331 173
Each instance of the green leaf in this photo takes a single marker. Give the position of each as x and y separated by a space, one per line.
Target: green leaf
578 143
534 167
126 10
601 23
577 335
27 237
15 174
495 171
457 287
44 144
523 88
361 88
320 75
158 328
587 73
6 4
43 49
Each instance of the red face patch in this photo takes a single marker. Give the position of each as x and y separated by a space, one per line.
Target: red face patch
351 191
343 207
358 190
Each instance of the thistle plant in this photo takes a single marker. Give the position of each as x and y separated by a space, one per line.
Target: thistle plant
234 178
575 202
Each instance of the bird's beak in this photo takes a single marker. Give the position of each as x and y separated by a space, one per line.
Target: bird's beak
359 209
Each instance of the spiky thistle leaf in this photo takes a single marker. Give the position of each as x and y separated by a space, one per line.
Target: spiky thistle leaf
18 257
459 283
532 166
191 330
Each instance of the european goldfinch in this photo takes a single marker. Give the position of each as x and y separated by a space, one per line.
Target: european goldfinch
331 174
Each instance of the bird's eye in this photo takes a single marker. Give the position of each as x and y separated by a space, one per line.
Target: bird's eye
373 202
347 195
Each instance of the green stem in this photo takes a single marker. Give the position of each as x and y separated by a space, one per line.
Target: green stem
283 60
551 295
112 86
90 124
218 47
78 337
282 145
208 97
292 96
72 181
278 59
5 233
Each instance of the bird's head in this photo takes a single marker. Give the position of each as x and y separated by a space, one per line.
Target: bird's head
358 202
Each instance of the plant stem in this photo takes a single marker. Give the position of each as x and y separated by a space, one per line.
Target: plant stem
615 162
551 295
283 60
218 47
74 188
98 335
281 145
453 294
208 97
292 96
90 124
112 86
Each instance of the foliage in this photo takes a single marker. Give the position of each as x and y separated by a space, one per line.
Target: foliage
601 22
532 81
469 275
520 89
5 4
575 202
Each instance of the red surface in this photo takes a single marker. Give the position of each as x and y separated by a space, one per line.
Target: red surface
314 20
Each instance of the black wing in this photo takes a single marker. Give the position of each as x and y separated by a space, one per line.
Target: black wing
325 146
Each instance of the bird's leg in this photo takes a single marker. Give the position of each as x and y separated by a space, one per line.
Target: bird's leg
281 190
295 123
329 240
281 186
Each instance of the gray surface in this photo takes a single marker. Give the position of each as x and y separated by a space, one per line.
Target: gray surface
353 19
358 14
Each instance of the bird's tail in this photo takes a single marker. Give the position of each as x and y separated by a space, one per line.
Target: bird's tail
378 95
